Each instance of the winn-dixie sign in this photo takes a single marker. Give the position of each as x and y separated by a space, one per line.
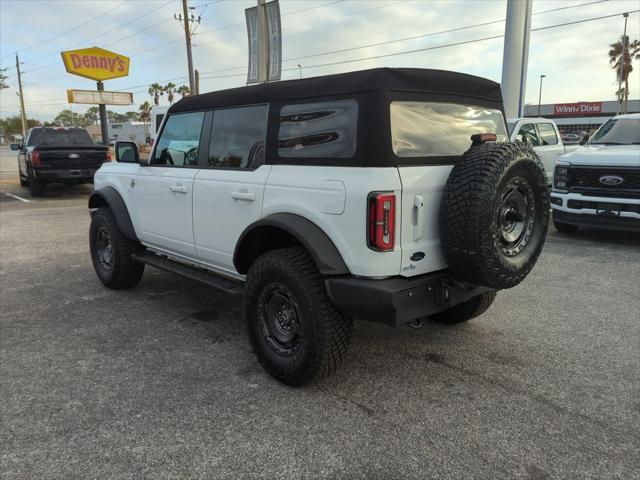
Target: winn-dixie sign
580 108
96 63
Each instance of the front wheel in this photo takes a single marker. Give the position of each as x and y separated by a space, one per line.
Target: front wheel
298 334
465 311
111 252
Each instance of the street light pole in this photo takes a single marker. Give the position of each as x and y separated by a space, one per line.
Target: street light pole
540 94
23 115
300 68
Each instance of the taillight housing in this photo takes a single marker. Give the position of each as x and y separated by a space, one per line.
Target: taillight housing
35 157
381 221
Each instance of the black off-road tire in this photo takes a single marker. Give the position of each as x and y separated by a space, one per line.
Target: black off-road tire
123 272
474 214
465 311
319 334
37 187
564 227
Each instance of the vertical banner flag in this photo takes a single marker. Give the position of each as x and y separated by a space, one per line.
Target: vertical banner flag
274 34
251 15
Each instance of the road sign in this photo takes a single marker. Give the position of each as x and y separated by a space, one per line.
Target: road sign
96 63
99 97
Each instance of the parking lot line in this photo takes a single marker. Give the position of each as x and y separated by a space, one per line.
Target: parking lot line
17 197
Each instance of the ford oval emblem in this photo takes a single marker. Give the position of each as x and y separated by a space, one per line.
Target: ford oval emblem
611 180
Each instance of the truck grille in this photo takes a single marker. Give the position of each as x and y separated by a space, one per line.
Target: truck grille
587 181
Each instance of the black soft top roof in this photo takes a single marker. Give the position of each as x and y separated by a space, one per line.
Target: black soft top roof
409 80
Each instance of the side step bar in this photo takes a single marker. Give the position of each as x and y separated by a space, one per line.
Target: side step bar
198 274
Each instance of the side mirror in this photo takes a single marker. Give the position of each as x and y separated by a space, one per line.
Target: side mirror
15 146
127 152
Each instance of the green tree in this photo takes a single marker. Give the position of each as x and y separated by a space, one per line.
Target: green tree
170 90
621 58
156 91
114 117
67 118
13 125
3 79
183 90
145 116
132 116
92 115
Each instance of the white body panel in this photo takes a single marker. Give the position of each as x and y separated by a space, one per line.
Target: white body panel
225 202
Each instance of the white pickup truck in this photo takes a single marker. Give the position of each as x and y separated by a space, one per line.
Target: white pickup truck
543 135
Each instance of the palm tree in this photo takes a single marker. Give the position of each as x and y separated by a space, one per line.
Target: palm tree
621 56
170 88
156 91
183 90
145 115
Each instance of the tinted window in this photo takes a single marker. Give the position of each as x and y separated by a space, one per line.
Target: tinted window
424 129
179 141
528 134
318 130
238 136
59 137
548 134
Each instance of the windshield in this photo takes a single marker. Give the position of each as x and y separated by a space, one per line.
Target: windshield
618 131
427 129
59 138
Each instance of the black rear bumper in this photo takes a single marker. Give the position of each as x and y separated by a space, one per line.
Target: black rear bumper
398 300
62 175
609 222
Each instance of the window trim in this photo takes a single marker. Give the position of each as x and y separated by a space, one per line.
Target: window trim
204 160
165 120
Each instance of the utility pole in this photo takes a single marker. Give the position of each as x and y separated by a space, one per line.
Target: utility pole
104 125
263 41
540 94
23 115
197 78
187 36
623 95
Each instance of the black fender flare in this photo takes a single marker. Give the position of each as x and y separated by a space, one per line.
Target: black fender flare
109 197
313 238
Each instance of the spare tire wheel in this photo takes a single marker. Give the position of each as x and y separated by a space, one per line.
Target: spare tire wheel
494 214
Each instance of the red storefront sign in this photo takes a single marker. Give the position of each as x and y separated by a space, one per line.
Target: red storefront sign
580 108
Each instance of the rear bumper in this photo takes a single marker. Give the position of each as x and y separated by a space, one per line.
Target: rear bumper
63 175
398 300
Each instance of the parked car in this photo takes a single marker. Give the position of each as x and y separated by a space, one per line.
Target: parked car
543 135
58 155
598 185
386 195
571 138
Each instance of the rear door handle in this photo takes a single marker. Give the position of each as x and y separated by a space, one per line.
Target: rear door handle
244 196
178 189
418 211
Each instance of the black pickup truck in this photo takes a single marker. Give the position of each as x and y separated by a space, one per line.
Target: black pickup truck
58 155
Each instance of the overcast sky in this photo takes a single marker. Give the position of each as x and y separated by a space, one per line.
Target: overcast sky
573 57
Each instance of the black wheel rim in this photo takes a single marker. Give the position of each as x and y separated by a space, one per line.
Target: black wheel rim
104 248
516 216
279 317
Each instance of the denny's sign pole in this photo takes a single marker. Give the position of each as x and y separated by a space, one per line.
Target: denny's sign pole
98 64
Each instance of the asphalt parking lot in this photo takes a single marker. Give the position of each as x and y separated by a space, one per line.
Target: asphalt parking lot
160 382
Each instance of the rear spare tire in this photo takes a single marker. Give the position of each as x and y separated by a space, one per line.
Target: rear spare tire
494 214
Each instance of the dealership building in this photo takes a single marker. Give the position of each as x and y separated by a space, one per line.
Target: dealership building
579 117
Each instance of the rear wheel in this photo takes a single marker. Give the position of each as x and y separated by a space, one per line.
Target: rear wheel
23 182
111 252
296 331
37 187
564 227
465 311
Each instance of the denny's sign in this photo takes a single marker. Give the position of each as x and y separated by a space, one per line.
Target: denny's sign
96 63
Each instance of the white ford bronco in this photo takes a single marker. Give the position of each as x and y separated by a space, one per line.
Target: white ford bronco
386 195
598 185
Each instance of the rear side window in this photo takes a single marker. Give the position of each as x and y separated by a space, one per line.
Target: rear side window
528 134
548 134
179 142
61 137
238 136
425 129
318 130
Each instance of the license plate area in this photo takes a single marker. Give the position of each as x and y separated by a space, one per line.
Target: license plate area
608 209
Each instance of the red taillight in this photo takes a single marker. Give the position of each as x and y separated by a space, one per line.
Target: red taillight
108 157
381 221
35 158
